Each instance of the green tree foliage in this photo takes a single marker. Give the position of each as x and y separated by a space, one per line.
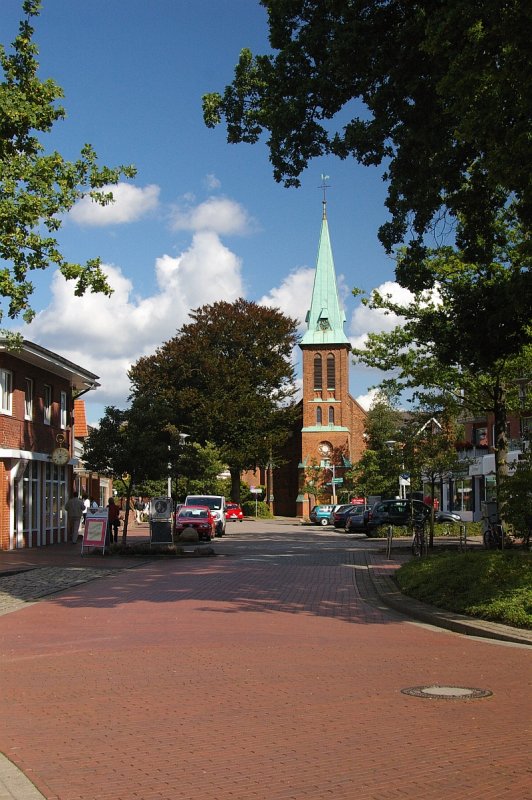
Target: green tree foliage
377 471
516 496
127 445
37 188
437 93
226 378
467 337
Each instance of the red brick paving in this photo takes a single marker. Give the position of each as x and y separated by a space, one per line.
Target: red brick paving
229 679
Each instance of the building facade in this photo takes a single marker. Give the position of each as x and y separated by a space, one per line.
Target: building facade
37 390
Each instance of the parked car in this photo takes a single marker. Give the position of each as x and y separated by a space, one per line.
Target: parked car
340 515
394 512
215 502
322 515
354 521
447 516
234 511
199 518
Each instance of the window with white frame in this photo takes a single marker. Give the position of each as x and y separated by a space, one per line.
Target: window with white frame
28 399
47 404
64 409
6 391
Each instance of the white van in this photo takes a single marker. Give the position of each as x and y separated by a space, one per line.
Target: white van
215 502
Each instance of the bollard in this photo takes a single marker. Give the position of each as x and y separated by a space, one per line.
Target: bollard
389 537
462 541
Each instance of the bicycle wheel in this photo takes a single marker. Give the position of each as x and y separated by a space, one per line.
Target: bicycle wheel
489 539
417 545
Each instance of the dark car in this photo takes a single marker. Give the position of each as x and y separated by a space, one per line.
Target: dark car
447 516
394 512
354 521
340 515
199 518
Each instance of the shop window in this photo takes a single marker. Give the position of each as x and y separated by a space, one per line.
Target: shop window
463 495
318 378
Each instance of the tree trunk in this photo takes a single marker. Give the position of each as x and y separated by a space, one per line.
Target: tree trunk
500 442
126 515
235 484
432 496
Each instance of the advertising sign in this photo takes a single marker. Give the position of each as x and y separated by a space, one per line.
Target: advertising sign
95 531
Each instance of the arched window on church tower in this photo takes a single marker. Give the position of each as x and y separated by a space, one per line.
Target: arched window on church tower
331 372
331 415
318 379
319 416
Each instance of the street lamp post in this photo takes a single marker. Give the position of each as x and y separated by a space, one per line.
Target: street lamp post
182 439
404 478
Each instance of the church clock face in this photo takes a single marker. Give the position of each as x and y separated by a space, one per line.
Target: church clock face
325 449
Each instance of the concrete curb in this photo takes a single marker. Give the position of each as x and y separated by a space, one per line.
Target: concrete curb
13 783
390 595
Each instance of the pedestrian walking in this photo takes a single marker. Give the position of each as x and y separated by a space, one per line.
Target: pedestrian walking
113 520
139 508
74 508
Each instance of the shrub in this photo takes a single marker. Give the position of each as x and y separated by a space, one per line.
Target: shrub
491 585
262 509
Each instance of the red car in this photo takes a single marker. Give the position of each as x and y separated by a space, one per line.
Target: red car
197 517
233 511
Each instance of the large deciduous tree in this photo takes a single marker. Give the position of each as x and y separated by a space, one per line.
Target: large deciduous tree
37 188
461 340
439 93
226 378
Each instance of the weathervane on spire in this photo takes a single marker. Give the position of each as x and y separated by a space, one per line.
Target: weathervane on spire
324 186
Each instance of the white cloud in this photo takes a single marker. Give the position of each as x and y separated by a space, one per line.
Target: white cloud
130 204
212 183
293 296
107 335
217 214
367 399
365 320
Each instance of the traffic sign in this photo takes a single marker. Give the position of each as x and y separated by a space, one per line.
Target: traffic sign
337 480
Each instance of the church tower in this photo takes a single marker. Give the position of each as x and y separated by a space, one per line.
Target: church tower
333 423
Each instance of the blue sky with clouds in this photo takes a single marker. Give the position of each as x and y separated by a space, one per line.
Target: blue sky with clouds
203 220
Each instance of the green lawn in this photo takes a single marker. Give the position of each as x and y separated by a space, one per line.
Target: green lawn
487 584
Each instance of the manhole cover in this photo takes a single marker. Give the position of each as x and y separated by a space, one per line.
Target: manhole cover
447 692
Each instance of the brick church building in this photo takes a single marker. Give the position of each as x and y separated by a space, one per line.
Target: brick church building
328 436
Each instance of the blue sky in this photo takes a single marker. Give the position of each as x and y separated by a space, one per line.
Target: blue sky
203 220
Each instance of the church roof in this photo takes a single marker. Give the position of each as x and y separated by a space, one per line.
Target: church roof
325 318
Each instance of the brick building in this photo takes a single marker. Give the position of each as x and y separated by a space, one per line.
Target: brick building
37 390
328 436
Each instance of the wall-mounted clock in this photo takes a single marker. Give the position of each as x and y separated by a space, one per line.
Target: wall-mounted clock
60 456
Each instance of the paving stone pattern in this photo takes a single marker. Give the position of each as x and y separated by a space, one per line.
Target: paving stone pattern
22 588
270 672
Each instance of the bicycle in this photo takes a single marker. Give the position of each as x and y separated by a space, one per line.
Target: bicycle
419 542
495 537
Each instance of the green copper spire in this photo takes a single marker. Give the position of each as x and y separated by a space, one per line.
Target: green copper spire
325 318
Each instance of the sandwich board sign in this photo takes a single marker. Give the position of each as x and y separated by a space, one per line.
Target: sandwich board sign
95 531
